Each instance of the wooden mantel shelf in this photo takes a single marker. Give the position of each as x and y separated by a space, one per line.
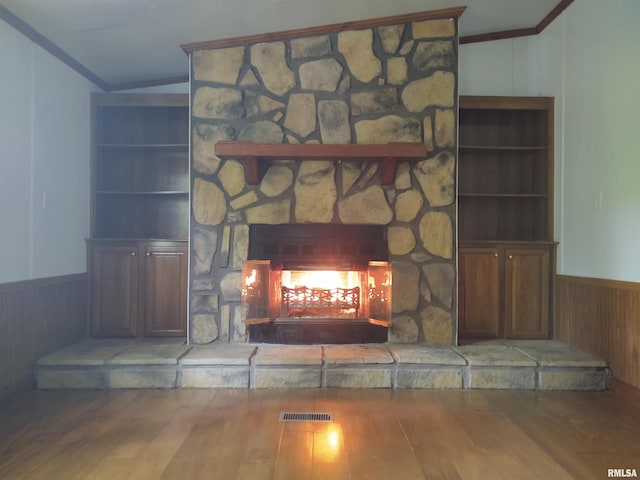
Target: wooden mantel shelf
388 153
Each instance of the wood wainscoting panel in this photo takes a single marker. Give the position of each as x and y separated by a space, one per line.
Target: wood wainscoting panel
37 317
602 317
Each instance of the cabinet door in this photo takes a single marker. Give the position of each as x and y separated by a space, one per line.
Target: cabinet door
165 288
527 293
114 291
479 302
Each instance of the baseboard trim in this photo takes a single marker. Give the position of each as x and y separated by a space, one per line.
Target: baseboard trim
14 392
624 390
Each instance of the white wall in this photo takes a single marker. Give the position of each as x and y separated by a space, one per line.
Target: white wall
589 60
44 147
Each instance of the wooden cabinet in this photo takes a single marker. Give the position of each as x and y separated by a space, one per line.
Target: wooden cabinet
113 290
165 290
479 312
138 288
140 214
504 291
527 290
505 216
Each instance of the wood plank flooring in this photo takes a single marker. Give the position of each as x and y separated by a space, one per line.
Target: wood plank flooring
377 434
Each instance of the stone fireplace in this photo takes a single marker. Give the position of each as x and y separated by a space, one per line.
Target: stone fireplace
390 81
317 283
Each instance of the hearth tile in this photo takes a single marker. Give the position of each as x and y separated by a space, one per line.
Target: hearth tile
357 354
147 377
358 378
78 378
86 353
425 354
149 354
309 377
288 355
219 354
573 378
436 378
494 355
516 378
551 353
218 377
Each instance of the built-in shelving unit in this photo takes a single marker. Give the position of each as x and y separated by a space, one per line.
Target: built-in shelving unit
138 254
505 184
141 166
505 216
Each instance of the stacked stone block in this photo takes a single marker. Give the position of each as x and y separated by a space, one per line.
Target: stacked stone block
376 85
505 364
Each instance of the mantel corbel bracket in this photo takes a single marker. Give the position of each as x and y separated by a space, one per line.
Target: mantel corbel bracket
389 154
251 170
388 173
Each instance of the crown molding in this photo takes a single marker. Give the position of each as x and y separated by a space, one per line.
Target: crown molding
519 32
324 29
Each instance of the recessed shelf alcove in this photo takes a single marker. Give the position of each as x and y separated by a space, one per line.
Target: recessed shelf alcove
389 154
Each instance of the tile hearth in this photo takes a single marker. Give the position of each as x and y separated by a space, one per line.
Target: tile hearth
504 364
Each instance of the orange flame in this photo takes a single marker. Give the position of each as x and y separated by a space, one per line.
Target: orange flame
320 278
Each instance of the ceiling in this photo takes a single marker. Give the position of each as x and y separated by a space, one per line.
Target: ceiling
130 41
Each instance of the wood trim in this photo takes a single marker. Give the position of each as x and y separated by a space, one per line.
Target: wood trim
42 282
388 154
46 44
454 12
36 317
603 317
519 32
600 282
504 34
495 102
624 390
139 100
50 47
551 166
553 14
71 62
148 83
505 243
311 151
12 393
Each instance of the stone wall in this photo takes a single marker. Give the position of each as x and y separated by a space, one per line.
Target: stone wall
393 83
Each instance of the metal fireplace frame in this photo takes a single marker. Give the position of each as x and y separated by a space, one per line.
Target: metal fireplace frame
318 247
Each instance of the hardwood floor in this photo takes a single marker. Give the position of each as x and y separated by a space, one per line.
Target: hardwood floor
377 434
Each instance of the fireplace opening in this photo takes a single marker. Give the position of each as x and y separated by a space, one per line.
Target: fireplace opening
317 284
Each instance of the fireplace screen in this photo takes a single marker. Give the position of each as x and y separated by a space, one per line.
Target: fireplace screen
272 292
317 283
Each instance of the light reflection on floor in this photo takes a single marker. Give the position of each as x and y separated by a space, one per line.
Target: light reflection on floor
328 443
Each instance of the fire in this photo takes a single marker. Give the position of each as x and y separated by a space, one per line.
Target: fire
251 279
270 292
311 290
320 278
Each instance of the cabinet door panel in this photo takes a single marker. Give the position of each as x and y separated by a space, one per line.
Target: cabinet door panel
479 305
114 291
165 291
527 293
